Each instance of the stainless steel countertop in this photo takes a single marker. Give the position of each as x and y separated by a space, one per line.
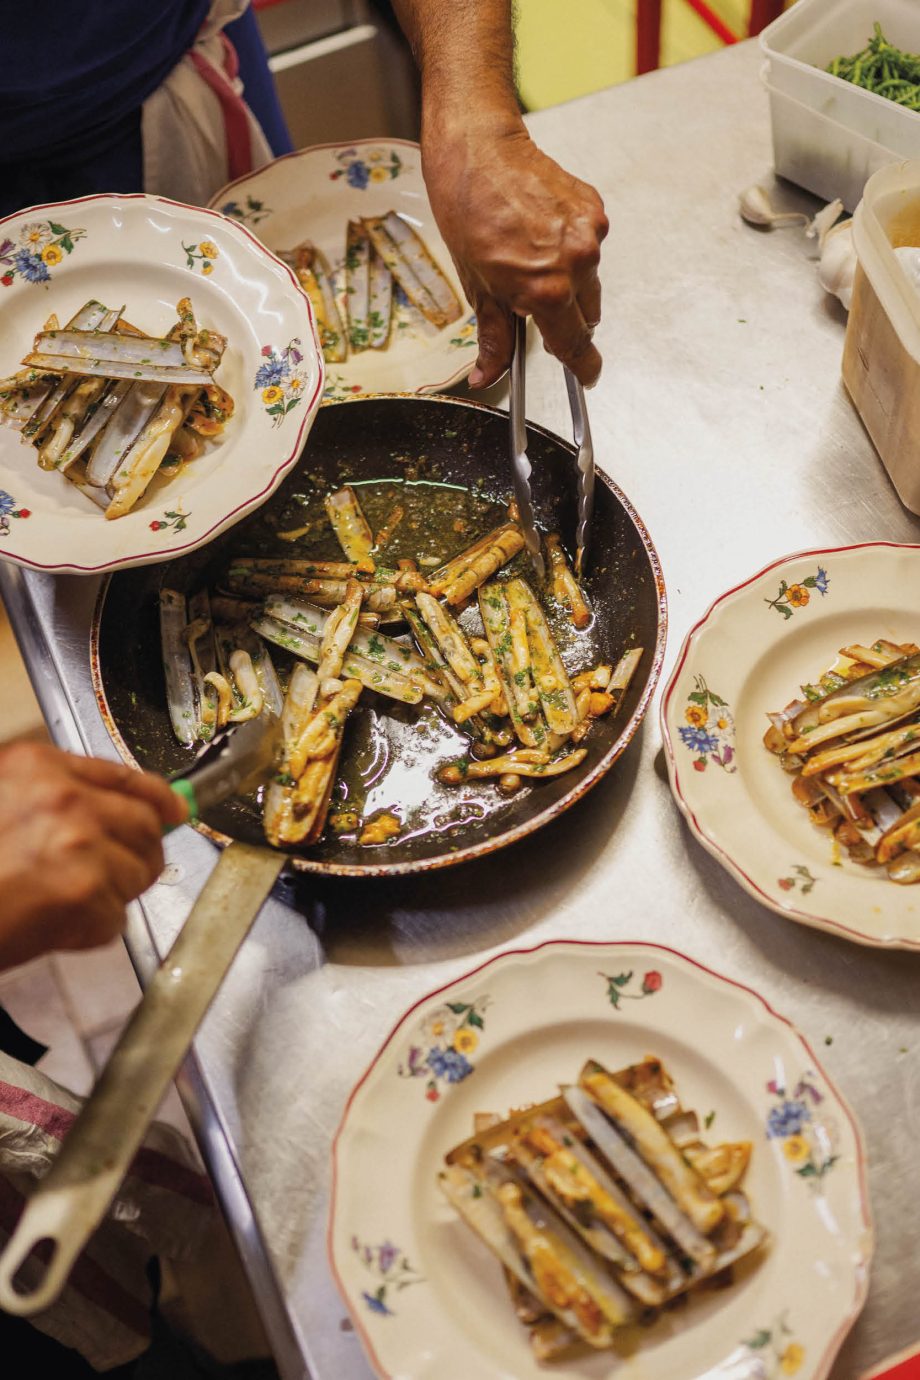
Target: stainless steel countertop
722 415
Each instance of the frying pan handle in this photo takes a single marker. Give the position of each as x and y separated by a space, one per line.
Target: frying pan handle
70 1202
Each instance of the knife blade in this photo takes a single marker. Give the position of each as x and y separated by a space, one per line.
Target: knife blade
235 762
521 468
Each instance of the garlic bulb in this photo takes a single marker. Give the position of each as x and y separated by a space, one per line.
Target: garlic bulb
837 264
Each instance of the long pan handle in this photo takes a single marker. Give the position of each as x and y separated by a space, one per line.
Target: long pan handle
70 1202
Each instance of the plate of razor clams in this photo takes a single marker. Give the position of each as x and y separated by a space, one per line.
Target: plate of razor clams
143 424
600 1193
354 223
796 702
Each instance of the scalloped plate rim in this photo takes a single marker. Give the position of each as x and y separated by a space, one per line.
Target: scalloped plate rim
775 903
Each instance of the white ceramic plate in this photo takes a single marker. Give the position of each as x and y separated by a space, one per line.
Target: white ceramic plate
428 1299
146 252
311 195
747 657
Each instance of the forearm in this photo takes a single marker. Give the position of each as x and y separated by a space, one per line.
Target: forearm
465 53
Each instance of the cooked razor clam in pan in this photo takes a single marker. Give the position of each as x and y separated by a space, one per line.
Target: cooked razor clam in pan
603 1205
386 263
451 643
851 742
110 407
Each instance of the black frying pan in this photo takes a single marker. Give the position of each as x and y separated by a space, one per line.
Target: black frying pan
445 440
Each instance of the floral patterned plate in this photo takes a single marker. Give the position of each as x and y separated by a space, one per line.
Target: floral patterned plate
146 252
428 1300
747 657
311 195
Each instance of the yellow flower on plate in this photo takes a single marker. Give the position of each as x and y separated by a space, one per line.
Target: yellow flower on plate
208 249
379 174
798 596
272 394
696 715
797 1149
207 267
375 156
722 723
465 1040
437 1029
295 384
52 254
791 1360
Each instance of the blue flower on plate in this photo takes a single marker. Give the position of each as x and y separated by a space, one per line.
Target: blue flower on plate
822 580
357 175
787 1120
274 371
31 267
377 1305
7 502
449 1065
698 740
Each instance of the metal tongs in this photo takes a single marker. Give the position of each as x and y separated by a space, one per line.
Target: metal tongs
521 468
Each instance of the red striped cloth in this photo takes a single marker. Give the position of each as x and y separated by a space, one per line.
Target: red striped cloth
165 1207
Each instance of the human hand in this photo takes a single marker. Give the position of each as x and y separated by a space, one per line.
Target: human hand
79 838
525 236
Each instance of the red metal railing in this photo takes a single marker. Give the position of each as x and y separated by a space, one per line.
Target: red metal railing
648 27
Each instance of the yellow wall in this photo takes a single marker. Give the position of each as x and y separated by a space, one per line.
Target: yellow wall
567 48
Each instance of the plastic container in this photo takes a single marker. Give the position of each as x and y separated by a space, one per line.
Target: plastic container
815 152
798 47
881 358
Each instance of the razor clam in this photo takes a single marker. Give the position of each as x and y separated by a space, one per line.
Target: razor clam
87 318
484 565
372 676
235 655
585 1196
380 598
386 652
62 422
95 422
351 527
340 628
177 666
566 589
549 674
881 697
199 638
357 284
532 1241
310 796
523 762
115 354
452 642
315 277
125 425
381 301
448 573
142 461
655 1147
520 695
295 714
407 257
642 1183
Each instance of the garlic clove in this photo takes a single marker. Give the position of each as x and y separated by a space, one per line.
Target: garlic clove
757 209
825 221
